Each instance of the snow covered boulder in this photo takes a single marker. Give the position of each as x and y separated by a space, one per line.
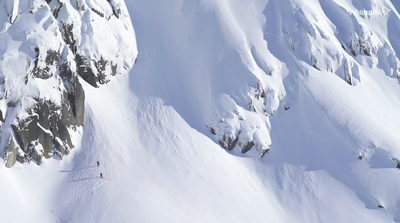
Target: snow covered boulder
243 128
100 36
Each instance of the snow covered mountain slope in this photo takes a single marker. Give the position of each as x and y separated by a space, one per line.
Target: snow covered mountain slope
241 67
45 46
312 82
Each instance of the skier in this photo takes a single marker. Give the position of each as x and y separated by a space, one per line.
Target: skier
101 175
98 163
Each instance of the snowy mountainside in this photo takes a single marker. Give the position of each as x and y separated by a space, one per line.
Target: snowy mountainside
314 82
55 43
256 60
298 79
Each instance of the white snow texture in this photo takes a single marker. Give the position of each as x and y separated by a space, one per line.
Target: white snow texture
236 111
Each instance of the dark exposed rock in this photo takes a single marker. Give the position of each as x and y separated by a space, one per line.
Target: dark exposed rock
21 159
66 72
11 103
46 140
247 147
115 7
39 121
230 129
362 44
229 142
98 12
101 68
60 129
46 126
26 131
263 152
212 130
77 103
315 66
396 162
85 71
60 149
11 153
51 58
91 76
347 73
68 35
230 139
34 154
367 51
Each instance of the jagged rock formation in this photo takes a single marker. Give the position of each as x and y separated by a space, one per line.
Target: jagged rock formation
245 127
336 41
46 47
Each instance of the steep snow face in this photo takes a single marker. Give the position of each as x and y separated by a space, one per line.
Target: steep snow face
230 83
45 47
241 67
333 142
316 82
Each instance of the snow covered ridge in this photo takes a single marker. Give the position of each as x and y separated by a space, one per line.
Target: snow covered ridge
289 39
45 47
329 37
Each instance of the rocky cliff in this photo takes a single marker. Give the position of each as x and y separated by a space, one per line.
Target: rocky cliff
47 49
334 37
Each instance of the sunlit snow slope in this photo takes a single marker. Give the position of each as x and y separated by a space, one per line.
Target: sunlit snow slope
310 82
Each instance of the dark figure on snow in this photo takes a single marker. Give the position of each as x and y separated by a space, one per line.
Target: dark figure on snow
101 175
98 163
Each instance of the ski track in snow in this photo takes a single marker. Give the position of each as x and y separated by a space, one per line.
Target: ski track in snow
147 128
79 195
106 180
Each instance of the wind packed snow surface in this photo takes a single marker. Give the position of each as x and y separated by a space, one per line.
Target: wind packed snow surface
312 86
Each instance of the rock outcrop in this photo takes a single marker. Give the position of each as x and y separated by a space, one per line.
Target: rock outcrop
49 48
303 43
